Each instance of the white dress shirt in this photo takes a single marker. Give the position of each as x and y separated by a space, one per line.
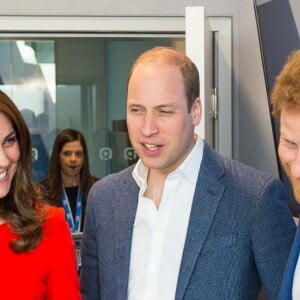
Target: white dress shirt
296 282
159 234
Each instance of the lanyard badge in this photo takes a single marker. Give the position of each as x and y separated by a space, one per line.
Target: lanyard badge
74 225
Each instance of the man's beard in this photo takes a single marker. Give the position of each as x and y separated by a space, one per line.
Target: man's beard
294 183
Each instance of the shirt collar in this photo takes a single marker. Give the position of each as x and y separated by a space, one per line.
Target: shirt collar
191 165
189 168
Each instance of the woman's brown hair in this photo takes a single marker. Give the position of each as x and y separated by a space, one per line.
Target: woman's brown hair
21 208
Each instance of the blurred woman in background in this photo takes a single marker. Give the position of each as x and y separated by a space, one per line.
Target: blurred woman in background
69 179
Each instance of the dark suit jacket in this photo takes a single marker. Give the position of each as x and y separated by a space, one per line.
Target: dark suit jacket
239 235
287 283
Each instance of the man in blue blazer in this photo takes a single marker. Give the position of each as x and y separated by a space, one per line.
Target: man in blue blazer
184 222
286 106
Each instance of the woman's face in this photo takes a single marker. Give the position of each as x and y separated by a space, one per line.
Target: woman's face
9 154
71 159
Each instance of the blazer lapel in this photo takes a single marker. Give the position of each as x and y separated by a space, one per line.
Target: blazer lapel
122 233
206 200
287 283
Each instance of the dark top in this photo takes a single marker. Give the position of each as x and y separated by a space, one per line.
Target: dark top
72 196
72 193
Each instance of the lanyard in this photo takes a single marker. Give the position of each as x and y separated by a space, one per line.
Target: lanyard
74 226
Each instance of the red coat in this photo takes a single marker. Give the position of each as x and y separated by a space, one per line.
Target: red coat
47 272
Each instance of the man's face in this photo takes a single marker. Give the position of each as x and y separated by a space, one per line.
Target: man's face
161 129
289 148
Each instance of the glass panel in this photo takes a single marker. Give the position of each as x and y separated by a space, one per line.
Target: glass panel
29 79
75 83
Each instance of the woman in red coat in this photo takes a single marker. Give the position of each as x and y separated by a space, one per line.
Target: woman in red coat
37 252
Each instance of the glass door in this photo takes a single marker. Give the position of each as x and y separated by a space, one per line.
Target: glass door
78 79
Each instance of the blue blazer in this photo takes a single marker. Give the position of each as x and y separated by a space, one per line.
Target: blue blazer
239 236
287 283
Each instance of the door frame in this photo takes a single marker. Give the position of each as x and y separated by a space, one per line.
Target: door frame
66 26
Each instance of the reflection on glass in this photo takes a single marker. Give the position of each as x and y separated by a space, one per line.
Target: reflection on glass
76 83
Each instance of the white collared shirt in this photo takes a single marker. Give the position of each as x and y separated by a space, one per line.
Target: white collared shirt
159 234
296 282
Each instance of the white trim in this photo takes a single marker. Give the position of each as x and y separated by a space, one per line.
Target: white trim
223 26
91 24
195 37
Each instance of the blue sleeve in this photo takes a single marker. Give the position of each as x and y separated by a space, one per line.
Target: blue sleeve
89 273
272 236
